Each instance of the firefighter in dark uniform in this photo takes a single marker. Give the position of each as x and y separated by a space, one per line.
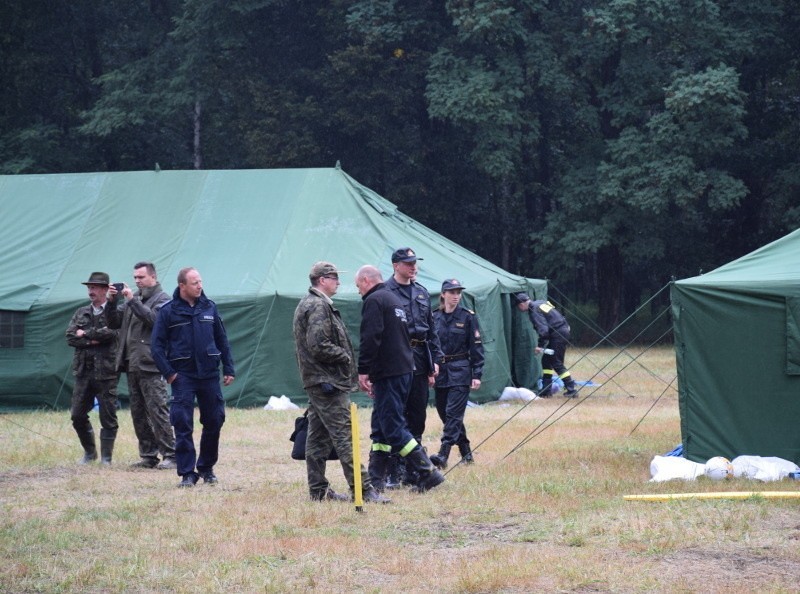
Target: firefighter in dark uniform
553 331
424 342
460 370
385 371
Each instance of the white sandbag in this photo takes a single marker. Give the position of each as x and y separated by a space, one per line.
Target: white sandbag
282 403
762 468
665 468
512 393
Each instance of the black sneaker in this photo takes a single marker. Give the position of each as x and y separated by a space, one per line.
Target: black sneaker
189 480
329 495
372 496
144 463
209 477
571 394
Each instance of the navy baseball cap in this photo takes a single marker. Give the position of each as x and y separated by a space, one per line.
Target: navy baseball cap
521 297
451 284
405 254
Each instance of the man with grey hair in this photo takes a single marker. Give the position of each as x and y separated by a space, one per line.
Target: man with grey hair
328 370
385 371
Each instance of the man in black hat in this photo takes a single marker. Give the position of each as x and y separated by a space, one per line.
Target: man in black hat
553 331
460 371
94 370
422 332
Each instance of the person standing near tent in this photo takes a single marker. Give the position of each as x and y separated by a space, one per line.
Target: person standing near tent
460 371
385 373
425 344
553 331
134 317
95 374
188 344
328 369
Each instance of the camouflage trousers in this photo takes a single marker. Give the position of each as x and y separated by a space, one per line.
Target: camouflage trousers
329 426
150 415
83 395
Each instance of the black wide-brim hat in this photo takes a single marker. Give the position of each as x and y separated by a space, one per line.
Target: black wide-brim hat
98 278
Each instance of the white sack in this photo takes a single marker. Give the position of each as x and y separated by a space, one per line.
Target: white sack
665 468
511 393
282 403
762 468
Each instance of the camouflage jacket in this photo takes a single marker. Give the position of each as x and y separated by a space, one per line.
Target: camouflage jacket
323 347
92 360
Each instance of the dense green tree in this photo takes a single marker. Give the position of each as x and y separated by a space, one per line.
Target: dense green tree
654 173
606 146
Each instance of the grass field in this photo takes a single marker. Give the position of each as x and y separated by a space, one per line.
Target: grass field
549 517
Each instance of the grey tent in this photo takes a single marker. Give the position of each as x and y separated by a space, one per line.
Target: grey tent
253 235
737 343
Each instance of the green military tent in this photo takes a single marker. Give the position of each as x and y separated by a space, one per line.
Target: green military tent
737 342
253 235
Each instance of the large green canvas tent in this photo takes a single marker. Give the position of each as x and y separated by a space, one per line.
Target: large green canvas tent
737 343
253 235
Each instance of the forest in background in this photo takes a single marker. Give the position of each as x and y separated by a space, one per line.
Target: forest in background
607 146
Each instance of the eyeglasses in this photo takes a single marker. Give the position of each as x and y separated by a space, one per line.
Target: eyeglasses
331 276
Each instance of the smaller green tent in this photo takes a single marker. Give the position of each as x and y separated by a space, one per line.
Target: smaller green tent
737 344
253 235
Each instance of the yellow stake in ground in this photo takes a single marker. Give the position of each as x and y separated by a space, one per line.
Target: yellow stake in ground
358 496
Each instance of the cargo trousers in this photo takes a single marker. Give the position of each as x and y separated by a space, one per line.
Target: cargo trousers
329 426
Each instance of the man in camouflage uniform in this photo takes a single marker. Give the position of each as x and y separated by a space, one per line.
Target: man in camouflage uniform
328 370
135 318
93 367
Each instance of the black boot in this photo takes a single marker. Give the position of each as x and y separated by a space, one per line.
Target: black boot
571 390
429 477
547 386
89 448
377 467
466 453
410 473
107 438
440 460
395 472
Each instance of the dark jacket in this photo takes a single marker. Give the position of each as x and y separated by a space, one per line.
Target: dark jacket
135 320
191 340
421 328
550 325
460 336
92 360
385 350
323 347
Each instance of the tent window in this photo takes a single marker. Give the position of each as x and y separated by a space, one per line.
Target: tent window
12 329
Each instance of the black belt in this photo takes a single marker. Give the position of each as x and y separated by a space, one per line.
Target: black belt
415 342
458 357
